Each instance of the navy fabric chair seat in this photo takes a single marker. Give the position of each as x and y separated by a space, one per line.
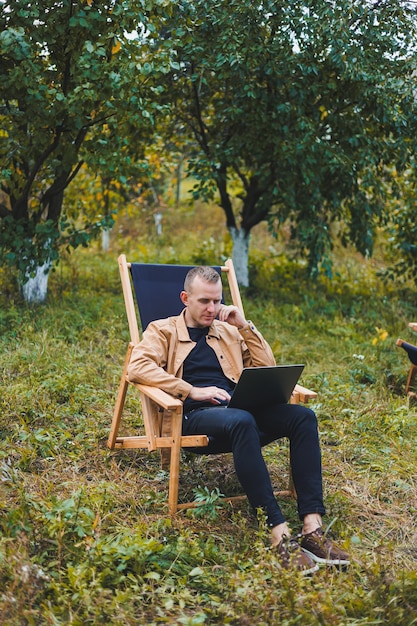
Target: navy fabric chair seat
411 351
157 289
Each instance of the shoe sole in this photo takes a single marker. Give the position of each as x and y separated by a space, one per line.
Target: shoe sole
318 559
311 570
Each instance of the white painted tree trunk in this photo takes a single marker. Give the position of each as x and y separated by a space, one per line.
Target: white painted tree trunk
240 255
35 288
105 240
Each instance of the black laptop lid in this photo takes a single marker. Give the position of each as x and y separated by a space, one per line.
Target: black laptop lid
265 386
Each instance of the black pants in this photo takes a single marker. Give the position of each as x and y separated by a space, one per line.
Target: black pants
244 434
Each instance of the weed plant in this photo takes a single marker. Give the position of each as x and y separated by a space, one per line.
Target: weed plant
85 536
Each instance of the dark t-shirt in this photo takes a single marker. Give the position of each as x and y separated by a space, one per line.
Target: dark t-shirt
202 369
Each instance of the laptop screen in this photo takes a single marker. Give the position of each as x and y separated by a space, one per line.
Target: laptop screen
265 386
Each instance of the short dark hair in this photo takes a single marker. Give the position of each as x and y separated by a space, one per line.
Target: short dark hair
209 274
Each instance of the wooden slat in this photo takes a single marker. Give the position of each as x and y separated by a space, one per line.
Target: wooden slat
304 394
295 397
233 284
411 378
121 397
131 442
164 400
128 297
174 468
191 441
187 441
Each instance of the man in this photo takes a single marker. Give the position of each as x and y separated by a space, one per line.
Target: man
198 357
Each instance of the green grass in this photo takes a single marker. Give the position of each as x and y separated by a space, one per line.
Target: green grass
85 536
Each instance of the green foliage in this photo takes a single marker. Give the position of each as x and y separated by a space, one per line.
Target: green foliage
207 502
300 112
73 89
403 231
26 244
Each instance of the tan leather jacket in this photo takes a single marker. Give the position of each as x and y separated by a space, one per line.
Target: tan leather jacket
158 359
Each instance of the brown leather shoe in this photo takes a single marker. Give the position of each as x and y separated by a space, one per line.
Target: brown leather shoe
292 557
321 549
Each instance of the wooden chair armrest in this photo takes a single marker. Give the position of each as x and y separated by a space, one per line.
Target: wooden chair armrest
304 394
161 398
164 400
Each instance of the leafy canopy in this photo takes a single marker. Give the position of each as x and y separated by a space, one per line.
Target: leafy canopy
299 111
75 87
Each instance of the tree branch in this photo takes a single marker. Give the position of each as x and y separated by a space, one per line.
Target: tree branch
225 203
202 128
42 158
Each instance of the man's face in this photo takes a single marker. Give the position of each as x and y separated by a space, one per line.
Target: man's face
203 302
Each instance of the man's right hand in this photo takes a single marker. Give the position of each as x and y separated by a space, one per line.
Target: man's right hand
215 395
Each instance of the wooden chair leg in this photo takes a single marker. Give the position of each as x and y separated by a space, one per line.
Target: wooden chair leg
174 474
411 378
291 487
166 431
120 401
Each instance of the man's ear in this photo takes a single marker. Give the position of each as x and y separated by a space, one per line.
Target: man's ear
184 298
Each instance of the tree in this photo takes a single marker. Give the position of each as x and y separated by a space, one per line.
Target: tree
298 111
402 230
75 87
137 193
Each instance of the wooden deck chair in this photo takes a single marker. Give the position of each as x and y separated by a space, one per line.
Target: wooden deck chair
411 350
162 413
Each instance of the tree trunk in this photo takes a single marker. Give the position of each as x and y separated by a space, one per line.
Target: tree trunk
105 239
35 288
240 254
178 185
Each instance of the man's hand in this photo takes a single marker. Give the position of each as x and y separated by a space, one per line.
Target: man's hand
232 315
215 395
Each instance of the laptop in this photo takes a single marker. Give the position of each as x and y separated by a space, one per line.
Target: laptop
265 386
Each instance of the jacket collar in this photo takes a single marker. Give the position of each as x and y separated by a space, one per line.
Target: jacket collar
183 332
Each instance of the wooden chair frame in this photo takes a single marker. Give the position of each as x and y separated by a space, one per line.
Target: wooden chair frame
412 372
162 413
